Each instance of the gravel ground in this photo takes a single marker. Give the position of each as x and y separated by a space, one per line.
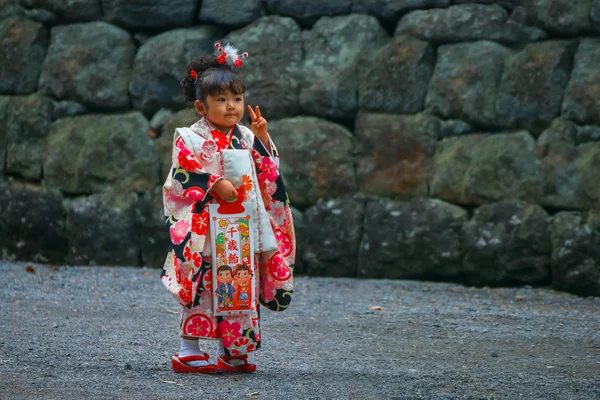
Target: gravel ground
108 333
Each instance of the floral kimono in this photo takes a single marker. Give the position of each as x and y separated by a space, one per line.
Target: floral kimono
187 273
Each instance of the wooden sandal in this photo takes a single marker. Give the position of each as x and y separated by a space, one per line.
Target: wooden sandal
179 364
224 366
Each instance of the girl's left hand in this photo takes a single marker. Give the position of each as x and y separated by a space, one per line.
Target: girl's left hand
259 124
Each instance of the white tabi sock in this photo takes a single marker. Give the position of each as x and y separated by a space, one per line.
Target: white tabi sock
189 347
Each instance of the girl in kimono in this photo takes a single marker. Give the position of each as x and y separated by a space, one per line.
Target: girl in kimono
195 180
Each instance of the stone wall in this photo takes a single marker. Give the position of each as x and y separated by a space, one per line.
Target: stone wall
428 139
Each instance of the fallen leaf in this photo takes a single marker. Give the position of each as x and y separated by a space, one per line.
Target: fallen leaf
519 298
104 359
148 273
30 269
152 133
376 308
251 394
172 383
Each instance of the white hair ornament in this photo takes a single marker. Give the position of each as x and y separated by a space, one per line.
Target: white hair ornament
229 55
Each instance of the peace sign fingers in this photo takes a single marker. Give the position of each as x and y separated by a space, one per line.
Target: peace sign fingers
259 123
252 114
255 116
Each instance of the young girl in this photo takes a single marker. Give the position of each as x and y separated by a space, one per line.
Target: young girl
194 181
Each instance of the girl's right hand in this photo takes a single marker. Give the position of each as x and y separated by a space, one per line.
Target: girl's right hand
225 190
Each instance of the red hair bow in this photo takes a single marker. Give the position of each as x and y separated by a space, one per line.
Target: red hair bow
194 75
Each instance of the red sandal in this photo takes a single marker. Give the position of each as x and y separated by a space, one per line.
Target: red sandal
224 366
179 364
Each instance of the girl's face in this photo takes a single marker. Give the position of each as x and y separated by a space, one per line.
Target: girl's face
224 110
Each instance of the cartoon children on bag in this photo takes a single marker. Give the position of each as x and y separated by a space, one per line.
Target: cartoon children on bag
243 285
225 289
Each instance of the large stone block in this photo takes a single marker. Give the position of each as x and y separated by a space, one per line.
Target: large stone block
272 70
96 153
576 252
416 239
482 168
160 64
587 133
395 78
307 12
332 50
588 166
23 46
533 84
11 8
32 224
333 237
101 230
582 96
467 22
151 229
560 17
465 82
28 119
89 63
394 153
391 11
68 10
571 171
150 14
507 243
233 13
316 159
508 4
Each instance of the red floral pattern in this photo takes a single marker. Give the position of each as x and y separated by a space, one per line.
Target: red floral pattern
198 325
179 231
279 270
267 289
194 193
220 139
269 169
284 241
189 162
185 293
242 345
207 280
200 223
229 332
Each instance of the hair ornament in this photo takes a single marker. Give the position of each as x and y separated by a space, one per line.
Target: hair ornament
229 55
194 75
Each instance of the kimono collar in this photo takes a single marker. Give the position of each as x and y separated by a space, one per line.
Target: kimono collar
232 139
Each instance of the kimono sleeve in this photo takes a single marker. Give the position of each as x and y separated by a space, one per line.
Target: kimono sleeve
261 149
188 171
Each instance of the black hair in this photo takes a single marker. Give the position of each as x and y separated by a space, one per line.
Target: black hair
242 267
224 268
213 78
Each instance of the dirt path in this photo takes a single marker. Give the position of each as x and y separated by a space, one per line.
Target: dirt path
108 333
